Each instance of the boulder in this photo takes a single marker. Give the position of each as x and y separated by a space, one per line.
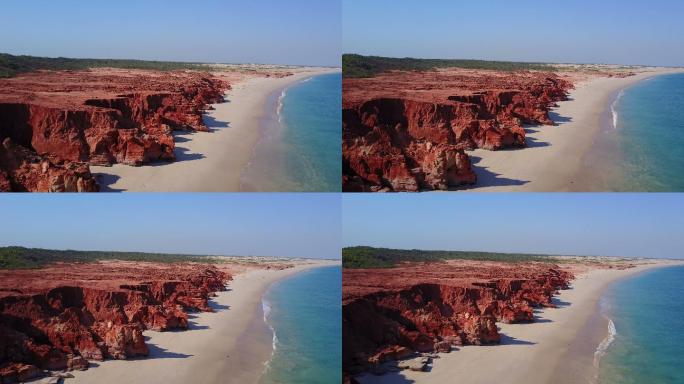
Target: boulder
77 363
442 347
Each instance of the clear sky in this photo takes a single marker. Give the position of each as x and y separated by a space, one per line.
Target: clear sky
264 224
578 31
630 225
230 31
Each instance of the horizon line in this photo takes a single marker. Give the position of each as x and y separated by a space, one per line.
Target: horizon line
512 61
165 253
513 252
170 61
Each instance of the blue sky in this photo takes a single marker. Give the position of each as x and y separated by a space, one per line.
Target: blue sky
580 31
277 224
630 225
263 31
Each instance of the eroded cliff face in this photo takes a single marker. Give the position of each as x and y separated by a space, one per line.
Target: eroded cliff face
22 170
431 307
407 131
102 117
64 326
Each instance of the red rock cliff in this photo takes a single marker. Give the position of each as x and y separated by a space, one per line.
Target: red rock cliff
387 314
407 131
65 324
101 117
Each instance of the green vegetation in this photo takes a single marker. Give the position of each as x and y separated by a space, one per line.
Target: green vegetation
24 258
367 66
11 65
369 257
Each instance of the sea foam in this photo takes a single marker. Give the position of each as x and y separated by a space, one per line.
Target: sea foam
613 108
281 102
605 343
266 306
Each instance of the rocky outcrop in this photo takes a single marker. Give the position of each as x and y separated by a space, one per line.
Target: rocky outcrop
408 131
393 320
104 117
65 326
18 373
23 170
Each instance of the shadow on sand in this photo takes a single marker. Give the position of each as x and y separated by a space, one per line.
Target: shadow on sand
106 180
214 124
559 303
533 142
509 340
558 119
161 353
487 178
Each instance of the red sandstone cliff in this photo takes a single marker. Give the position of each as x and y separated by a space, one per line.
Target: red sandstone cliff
407 131
99 117
23 170
389 313
51 326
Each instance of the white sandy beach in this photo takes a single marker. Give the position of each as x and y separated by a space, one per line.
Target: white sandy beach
230 345
555 157
209 161
534 353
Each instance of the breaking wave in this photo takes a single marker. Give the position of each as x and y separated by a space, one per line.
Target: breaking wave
265 305
613 108
605 343
281 102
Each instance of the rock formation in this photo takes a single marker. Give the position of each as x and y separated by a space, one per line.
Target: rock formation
407 131
23 170
100 117
390 313
63 326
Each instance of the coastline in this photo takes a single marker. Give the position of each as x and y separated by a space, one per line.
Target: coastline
231 344
553 349
563 157
282 159
270 128
210 161
293 345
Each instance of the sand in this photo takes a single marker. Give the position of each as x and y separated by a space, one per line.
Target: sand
541 352
230 345
555 159
209 161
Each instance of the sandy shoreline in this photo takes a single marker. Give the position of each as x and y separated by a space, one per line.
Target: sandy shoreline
546 351
209 161
555 159
230 345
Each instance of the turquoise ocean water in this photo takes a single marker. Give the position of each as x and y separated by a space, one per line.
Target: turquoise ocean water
305 314
301 144
648 119
648 316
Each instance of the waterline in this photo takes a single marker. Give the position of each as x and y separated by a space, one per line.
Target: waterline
300 143
304 314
